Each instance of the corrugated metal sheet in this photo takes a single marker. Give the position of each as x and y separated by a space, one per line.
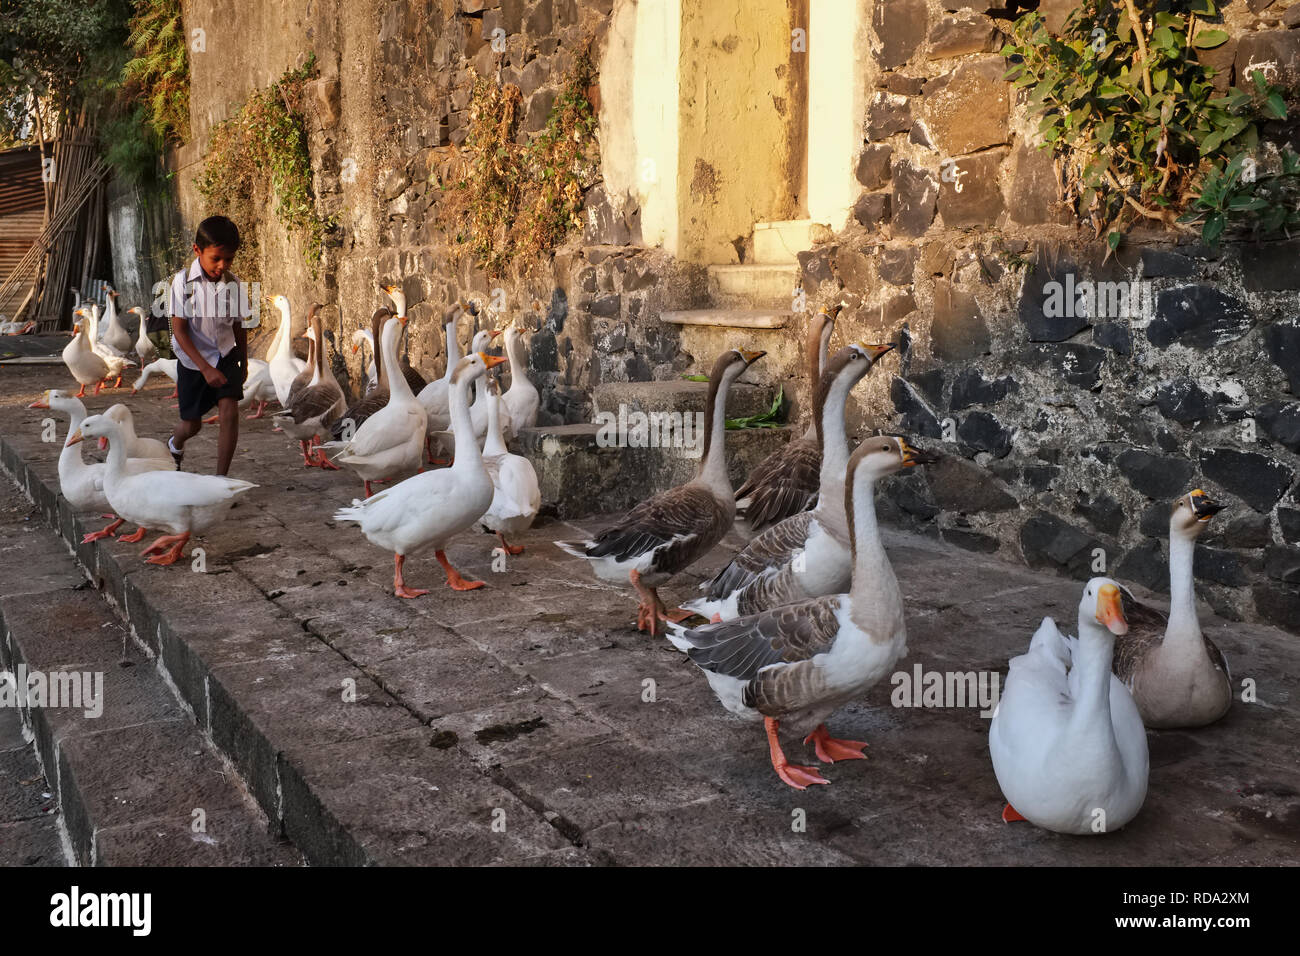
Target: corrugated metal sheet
22 209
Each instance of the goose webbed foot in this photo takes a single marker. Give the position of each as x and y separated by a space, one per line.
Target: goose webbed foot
399 585
795 775
261 407
135 536
106 532
157 549
454 579
508 547
830 749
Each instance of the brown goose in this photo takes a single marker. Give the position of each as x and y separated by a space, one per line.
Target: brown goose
316 405
800 662
304 378
377 397
786 482
1177 675
670 531
805 555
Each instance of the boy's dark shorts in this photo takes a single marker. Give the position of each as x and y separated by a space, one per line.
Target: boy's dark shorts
197 397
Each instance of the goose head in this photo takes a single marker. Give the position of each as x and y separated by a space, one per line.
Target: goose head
1191 513
122 415
399 299
731 364
473 366
96 426
882 455
1101 609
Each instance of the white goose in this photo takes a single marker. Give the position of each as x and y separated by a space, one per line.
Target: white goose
516 497
86 365
285 366
82 482
521 401
160 366
17 328
313 407
435 396
478 410
426 511
389 444
365 337
667 533
179 501
116 361
1067 741
800 662
145 350
808 554
1177 676
258 387
137 447
114 335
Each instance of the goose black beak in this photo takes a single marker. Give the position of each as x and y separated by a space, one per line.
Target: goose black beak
1203 506
915 456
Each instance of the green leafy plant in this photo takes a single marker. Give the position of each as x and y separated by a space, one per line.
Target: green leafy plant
1143 134
513 202
768 419
158 74
261 149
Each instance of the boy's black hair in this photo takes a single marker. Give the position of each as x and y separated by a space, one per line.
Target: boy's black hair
217 231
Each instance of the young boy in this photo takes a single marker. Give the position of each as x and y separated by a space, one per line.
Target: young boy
208 336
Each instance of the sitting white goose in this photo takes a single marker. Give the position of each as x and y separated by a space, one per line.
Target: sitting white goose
671 531
389 445
801 662
17 328
160 366
516 497
1067 741
113 334
86 365
426 511
313 407
179 501
137 447
285 366
807 554
82 482
145 350
1177 675
521 401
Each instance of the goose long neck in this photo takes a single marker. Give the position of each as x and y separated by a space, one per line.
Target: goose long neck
1183 625
314 359
398 387
71 454
875 598
376 340
518 362
467 451
494 444
116 461
835 443
453 349
1092 660
713 469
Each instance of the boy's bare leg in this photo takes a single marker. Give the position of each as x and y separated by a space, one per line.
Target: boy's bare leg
228 417
184 431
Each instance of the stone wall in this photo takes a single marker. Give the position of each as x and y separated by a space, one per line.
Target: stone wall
1066 432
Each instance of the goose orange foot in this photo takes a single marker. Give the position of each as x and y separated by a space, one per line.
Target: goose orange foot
1009 815
795 775
211 419
261 407
399 586
508 547
830 750
107 532
322 462
454 580
157 549
134 537
82 393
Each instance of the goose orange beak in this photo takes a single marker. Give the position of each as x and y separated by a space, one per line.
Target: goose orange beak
1110 610
875 351
750 357
492 361
74 438
42 402
494 333
914 456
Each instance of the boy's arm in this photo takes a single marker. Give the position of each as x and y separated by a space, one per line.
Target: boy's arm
181 329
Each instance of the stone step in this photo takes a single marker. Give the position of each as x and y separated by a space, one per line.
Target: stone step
135 780
585 470
729 318
780 242
681 395
771 285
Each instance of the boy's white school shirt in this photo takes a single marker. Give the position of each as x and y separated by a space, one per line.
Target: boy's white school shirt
211 310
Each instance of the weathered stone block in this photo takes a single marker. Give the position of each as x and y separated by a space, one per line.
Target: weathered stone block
1185 402
971 388
1155 476
1283 343
1116 336
915 194
1198 316
1272 266
873 165
983 432
966 110
896 264
1276 53
1103 512
1047 541
903 85
872 209
887 114
916 417
1281 420
959 332
900 26
959 36
961 487
969 192
1256 479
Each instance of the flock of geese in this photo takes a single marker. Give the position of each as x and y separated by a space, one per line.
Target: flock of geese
803 620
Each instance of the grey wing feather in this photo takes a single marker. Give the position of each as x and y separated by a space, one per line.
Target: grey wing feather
316 402
784 483
765 554
686 519
1146 630
783 635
